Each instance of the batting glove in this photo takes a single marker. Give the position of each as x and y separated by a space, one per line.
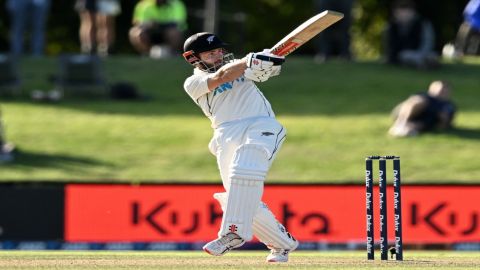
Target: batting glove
257 75
263 60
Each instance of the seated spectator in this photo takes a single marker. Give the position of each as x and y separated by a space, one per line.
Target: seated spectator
468 37
156 23
409 38
422 112
28 18
97 25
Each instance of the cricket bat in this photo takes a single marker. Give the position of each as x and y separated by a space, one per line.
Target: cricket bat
305 32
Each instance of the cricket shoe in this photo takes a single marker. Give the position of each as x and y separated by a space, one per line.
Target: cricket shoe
220 246
280 254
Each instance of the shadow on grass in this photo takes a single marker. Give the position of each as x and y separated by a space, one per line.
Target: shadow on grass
465 133
25 159
304 88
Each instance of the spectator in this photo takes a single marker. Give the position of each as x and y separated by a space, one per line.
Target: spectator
410 38
334 41
421 112
32 14
158 22
468 37
97 25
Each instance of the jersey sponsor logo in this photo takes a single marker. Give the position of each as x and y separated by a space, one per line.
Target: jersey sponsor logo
222 88
227 86
267 133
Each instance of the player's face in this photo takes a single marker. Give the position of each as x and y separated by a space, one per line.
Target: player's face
213 57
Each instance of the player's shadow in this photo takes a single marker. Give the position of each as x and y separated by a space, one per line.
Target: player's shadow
465 133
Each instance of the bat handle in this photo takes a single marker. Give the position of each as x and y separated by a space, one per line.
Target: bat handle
276 61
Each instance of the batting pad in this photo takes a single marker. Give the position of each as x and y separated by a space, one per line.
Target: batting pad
221 197
242 202
247 174
250 162
270 232
265 226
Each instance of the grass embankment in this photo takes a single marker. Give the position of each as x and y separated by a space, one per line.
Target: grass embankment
336 114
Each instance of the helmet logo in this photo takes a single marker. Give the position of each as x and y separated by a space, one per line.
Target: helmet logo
210 39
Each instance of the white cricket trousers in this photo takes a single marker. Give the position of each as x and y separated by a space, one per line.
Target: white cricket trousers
266 132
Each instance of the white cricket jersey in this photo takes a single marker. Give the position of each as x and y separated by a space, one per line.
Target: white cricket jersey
235 100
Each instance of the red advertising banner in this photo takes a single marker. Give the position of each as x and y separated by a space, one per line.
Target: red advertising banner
317 213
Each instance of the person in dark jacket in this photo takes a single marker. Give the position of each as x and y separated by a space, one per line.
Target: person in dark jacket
410 38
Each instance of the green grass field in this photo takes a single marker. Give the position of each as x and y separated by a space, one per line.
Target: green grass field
336 114
234 260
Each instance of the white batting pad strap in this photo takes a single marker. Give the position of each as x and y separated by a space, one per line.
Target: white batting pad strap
243 200
270 232
250 161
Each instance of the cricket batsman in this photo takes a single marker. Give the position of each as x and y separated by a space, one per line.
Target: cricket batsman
246 140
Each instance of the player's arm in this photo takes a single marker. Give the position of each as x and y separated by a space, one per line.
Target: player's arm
227 73
256 66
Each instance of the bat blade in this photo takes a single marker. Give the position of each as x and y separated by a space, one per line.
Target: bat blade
305 32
